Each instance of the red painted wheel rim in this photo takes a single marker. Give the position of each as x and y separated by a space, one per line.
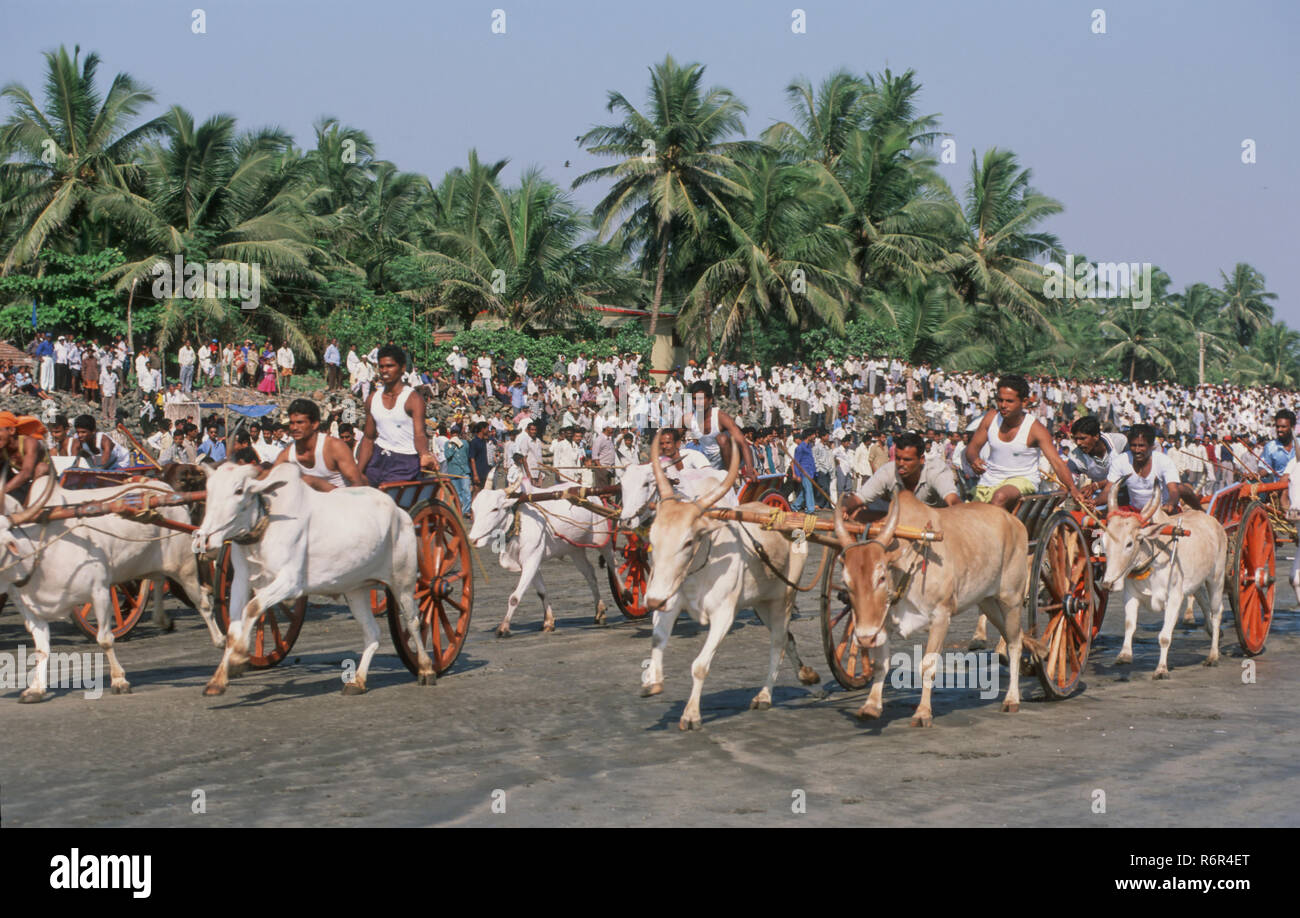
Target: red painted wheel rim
444 594
277 629
631 573
127 604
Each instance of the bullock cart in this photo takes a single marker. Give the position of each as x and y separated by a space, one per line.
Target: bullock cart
444 593
1063 611
1254 517
129 600
631 571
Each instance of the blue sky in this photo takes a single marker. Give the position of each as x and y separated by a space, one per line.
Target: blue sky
1137 131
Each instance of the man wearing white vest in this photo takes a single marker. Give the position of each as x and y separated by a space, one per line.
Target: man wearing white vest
1015 441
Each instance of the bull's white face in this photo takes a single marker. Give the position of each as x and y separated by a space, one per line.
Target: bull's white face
232 506
638 486
491 512
675 536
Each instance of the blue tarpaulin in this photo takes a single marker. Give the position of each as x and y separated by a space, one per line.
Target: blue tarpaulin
248 411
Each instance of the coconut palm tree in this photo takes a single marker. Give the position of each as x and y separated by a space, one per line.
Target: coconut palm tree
1277 351
213 195
524 258
674 168
990 260
778 257
1246 302
1138 338
66 151
823 120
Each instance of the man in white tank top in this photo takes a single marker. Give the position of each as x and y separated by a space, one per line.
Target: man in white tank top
1015 441
326 461
394 446
716 431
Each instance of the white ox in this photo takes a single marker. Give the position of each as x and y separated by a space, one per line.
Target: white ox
1170 570
526 534
710 565
983 562
289 540
50 569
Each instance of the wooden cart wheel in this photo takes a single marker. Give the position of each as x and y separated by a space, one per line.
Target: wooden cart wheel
848 661
775 499
1252 558
631 571
1061 604
444 594
129 601
278 628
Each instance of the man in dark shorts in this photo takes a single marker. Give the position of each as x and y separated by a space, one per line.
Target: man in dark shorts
395 446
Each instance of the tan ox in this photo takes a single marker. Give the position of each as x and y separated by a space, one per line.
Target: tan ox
1168 571
982 561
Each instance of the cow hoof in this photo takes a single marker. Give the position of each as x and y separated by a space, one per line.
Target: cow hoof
213 688
1124 659
977 644
654 688
869 711
30 697
1211 661
685 725
353 688
599 619
1010 707
808 675
548 628
759 704
1160 674
427 679
922 720
122 688
503 632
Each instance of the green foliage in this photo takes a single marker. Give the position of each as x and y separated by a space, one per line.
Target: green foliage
861 336
69 295
376 319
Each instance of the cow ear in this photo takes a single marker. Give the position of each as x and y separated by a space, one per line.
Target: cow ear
266 486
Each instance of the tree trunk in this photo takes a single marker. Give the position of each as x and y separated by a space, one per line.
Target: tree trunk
1132 367
1200 358
659 280
130 342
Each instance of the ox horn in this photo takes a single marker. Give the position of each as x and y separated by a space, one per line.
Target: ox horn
732 473
1150 509
891 522
26 516
665 489
841 532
